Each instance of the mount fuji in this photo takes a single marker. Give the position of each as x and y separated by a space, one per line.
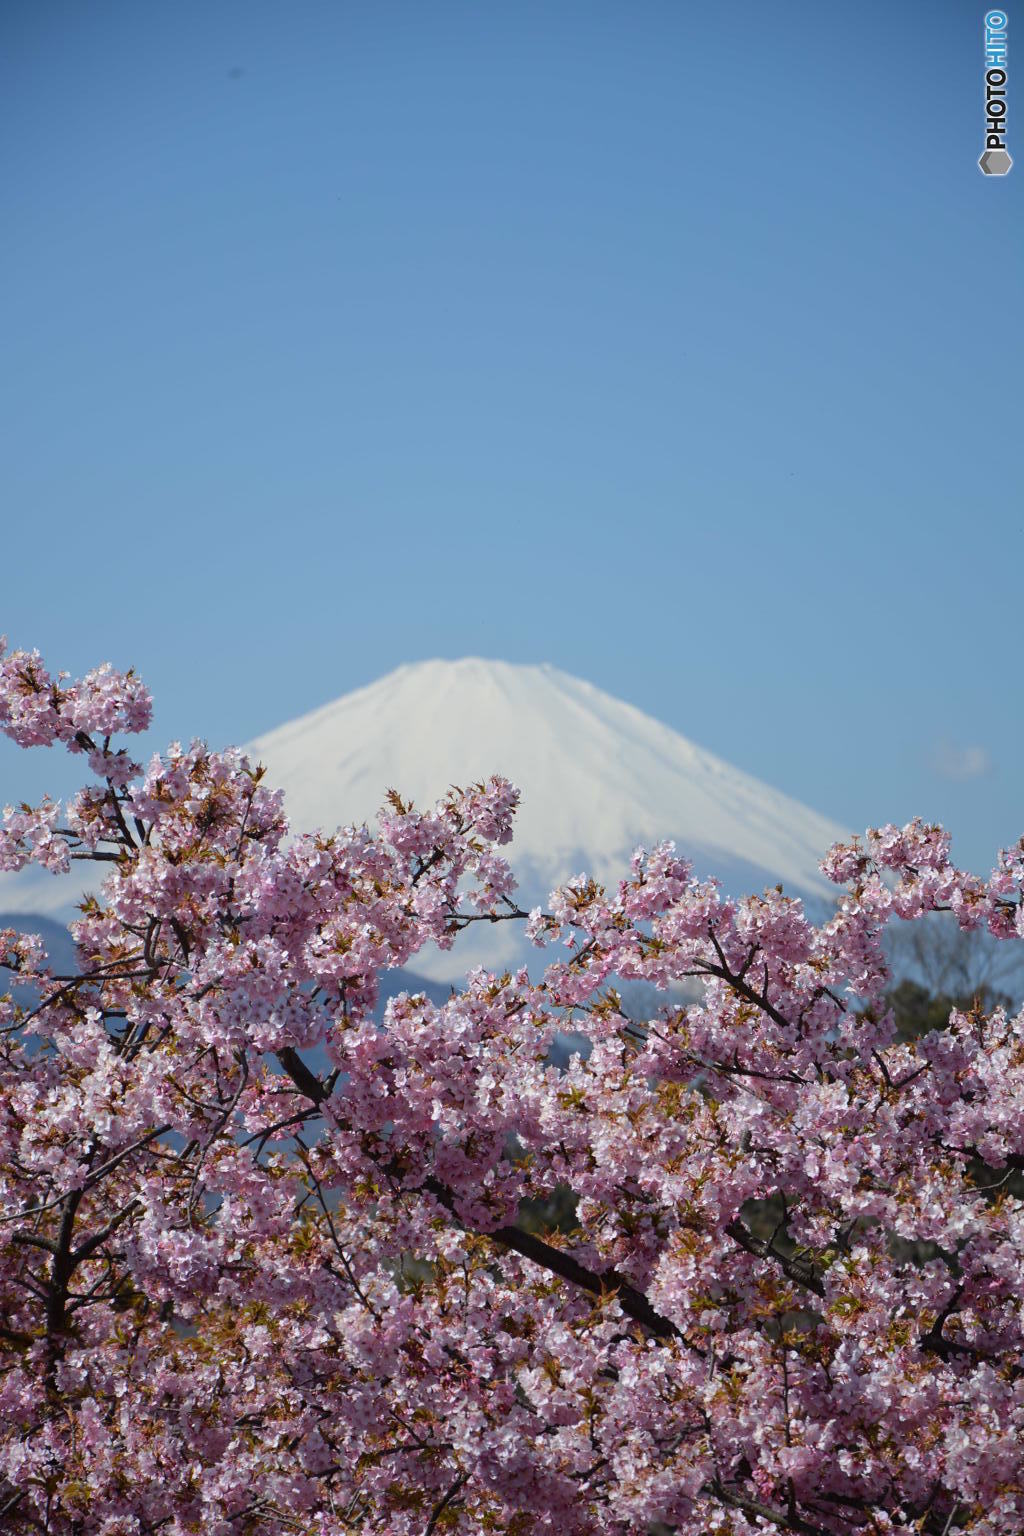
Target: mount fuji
598 777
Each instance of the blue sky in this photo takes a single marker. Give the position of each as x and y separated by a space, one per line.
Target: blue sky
676 344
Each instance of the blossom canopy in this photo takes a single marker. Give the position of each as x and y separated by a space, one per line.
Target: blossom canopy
267 1263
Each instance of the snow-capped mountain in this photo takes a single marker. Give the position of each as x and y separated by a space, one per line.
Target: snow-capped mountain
598 777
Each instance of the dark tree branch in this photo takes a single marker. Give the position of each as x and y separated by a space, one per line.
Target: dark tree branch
801 1271
632 1301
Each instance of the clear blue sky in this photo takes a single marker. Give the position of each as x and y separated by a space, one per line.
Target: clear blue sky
676 344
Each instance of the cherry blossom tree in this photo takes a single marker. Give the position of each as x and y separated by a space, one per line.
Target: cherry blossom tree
262 1265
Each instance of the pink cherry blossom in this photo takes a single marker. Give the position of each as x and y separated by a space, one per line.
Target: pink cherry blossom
265 1260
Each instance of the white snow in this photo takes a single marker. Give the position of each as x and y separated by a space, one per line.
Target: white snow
598 777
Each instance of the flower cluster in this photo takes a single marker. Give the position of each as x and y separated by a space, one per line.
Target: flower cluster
265 1261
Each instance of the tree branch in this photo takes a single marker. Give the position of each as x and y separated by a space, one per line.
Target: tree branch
632 1301
798 1270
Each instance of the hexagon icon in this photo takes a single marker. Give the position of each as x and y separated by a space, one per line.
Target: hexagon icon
995 162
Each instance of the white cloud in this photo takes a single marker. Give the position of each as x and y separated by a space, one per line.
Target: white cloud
960 762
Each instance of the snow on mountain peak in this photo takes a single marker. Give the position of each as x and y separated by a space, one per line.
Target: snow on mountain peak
598 777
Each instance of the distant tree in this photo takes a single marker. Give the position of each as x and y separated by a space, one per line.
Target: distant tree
269 1264
918 1010
938 965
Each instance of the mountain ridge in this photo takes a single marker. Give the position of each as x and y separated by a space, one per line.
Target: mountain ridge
598 777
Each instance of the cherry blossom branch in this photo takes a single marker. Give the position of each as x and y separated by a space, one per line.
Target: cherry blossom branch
443 1503
785 1520
554 1260
800 1271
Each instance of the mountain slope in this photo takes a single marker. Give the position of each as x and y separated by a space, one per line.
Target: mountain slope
598 777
